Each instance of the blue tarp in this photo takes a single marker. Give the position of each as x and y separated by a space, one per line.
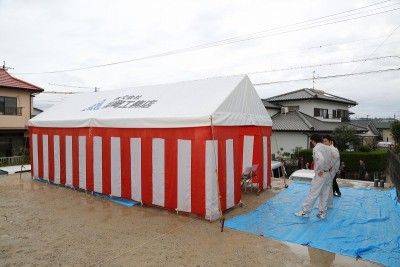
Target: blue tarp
364 223
118 200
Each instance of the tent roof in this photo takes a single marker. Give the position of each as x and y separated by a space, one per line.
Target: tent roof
227 100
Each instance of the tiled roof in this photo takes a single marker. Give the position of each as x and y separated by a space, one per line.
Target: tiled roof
382 124
6 80
366 123
269 104
306 94
300 122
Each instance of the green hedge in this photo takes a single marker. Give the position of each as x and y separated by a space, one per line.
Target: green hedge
374 161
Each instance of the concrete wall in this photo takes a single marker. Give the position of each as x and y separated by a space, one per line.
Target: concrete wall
288 141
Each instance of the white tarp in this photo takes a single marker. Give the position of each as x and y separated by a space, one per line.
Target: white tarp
228 100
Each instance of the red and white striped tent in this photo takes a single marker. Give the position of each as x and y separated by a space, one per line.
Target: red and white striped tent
179 146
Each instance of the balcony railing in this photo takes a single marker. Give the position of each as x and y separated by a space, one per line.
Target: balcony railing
16 111
5 161
330 116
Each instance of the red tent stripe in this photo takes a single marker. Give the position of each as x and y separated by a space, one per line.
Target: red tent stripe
89 163
147 172
125 168
106 169
75 160
171 165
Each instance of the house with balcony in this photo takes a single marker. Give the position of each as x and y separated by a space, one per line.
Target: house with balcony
299 114
16 98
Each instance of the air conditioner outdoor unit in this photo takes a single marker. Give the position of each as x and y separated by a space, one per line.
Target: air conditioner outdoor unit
284 110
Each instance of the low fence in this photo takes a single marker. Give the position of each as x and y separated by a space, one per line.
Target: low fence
393 170
6 161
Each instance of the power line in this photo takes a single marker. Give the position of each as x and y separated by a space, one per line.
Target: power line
236 39
325 64
328 77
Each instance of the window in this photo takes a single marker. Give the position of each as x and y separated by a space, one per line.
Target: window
340 113
320 112
8 106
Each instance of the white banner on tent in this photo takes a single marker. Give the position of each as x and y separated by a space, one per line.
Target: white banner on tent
45 157
97 164
68 160
158 160
82 162
230 177
184 201
35 155
265 163
248 144
115 166
212 212
136 168
57 173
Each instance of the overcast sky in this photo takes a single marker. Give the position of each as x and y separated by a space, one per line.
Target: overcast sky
171 41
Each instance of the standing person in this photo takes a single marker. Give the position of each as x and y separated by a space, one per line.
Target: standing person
322 157
361 170
342 170
300 163
333 169
307 166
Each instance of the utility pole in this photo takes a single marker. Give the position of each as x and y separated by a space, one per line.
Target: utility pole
313 79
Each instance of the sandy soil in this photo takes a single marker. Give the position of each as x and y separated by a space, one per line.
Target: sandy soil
47 225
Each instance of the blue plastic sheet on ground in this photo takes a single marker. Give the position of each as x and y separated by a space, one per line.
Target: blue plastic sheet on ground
118 200
364 223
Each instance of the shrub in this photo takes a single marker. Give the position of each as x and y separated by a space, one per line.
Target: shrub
365 149
374 161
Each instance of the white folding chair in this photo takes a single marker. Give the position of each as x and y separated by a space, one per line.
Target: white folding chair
249 174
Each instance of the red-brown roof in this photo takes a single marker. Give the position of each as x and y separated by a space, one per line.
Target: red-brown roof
6 80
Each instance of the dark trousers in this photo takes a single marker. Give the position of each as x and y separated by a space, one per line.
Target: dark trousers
335 186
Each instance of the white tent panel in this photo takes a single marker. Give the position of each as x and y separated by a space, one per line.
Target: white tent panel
227 100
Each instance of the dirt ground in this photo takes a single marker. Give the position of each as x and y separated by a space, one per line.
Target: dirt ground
48 225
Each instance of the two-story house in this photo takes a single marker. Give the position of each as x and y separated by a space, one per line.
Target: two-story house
16 97
298 114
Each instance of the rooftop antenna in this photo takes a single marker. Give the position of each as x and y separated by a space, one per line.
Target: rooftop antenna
4 66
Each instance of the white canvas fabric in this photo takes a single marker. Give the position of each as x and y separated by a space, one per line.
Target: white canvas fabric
46 157
57 171
136 168
97 164
184 201
82 162
68 160
35 155
224 101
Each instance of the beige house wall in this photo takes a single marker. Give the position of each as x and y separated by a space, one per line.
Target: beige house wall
23 100
387 136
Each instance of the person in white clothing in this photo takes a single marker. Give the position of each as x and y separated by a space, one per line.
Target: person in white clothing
333 167
322 158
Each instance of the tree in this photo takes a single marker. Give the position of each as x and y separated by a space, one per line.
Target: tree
395 131
345 137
